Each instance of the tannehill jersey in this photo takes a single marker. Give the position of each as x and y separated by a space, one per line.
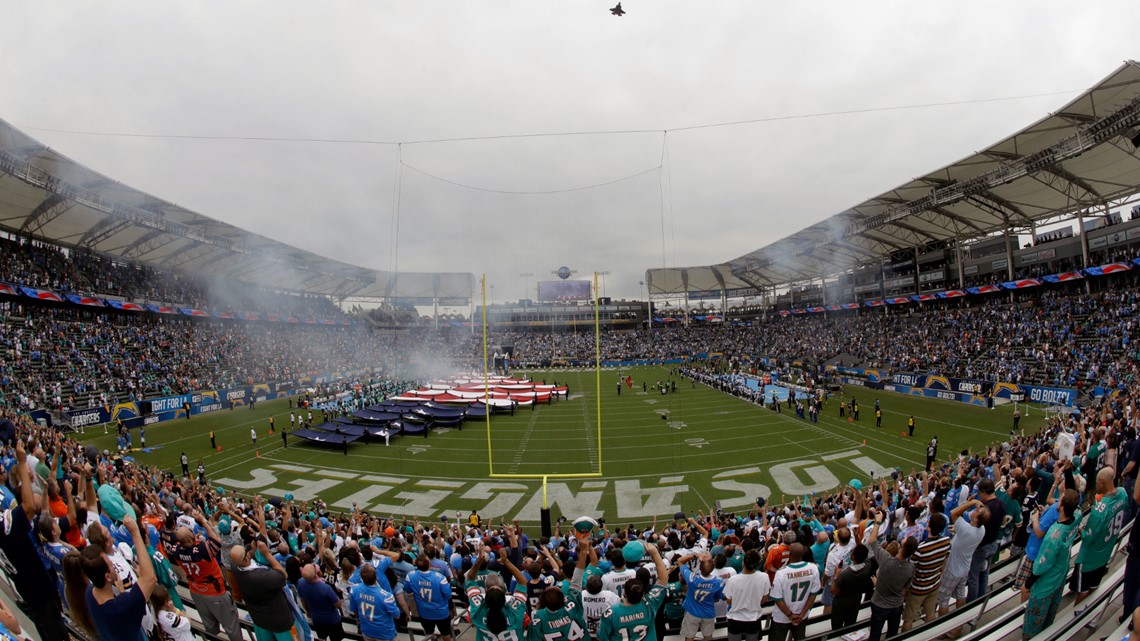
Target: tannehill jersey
794 584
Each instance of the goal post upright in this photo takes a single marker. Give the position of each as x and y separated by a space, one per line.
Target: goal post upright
597 471
598 369
486 380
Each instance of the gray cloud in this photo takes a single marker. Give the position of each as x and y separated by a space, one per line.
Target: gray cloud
434 69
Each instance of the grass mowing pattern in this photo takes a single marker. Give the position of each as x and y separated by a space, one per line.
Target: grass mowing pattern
709 446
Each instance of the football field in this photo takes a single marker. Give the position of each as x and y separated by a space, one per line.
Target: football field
658 454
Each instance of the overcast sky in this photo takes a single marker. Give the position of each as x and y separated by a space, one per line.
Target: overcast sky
408 71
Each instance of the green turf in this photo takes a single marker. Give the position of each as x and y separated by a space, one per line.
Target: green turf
709 447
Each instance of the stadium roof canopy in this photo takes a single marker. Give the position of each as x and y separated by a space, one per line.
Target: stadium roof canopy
49 196
1076 159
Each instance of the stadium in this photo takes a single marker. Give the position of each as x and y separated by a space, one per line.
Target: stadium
954 349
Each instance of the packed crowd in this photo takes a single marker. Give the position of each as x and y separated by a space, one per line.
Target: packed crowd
72 358
103 543
62 357
1050 338
77 271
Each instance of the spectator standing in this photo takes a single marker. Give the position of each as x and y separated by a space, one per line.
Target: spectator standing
978 582
615 579
263 587
559 615
1050 568
22 563
794 591
633 618
596 601
118 617
198 558
838 557
1099 535
172 621
432 594
493 611
967 538
848 589
746 593
322 603
1040 521
929 562
778 554
375 608
704 590
891 582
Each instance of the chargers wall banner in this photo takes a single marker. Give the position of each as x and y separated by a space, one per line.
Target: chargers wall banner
941 394
174 407
861 382
962 385
1050 395
909 379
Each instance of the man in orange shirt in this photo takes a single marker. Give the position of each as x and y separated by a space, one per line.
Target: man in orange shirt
198 557
779 553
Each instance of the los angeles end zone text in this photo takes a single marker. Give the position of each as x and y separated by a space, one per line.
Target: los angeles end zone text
634 498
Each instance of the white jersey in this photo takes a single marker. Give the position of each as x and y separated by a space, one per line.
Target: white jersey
614 581
174 627
724 574
1066 444
596 605
747 592
795 583
122 556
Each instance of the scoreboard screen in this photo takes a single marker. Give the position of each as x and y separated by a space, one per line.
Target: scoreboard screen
552 290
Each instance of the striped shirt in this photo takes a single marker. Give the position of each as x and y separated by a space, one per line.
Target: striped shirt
929 562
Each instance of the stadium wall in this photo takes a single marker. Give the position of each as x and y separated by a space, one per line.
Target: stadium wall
168 408
963 390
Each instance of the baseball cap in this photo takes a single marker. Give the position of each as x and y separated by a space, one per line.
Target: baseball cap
113 504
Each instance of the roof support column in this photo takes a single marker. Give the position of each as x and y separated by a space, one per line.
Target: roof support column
823 289
1084 246
959 259
1084 238
915 269
1009 259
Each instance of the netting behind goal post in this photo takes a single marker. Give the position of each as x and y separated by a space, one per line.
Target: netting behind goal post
592 473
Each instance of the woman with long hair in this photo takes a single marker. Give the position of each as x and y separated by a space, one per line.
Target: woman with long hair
75 587
496 615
